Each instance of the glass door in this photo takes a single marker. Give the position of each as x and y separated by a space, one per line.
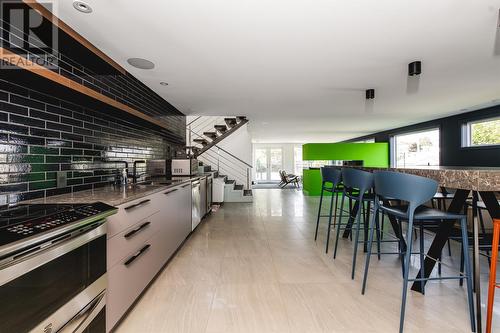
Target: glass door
276 163
261 167
268 162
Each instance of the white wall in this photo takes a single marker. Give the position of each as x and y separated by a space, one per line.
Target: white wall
239 144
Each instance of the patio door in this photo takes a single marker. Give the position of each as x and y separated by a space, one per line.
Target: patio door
268 162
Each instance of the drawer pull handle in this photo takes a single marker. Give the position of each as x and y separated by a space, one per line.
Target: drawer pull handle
168 192
138 204
184 186
137 255
133 232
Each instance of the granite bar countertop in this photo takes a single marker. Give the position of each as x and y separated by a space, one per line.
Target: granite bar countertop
114 195
468 178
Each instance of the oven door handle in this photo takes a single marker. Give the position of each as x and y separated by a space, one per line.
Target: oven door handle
82 319
76 315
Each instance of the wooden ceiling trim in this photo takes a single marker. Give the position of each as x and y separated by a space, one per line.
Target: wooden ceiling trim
28 65
75 35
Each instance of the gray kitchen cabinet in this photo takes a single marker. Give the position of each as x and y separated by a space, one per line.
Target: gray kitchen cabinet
144 238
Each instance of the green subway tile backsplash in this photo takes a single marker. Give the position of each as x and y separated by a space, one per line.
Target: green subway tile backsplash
42 185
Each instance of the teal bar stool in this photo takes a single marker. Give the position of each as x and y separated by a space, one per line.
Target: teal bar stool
415 191
330 181
357 185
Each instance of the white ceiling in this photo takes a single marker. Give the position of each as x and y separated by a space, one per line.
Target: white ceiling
298 68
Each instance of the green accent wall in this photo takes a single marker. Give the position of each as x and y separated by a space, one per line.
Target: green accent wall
372 155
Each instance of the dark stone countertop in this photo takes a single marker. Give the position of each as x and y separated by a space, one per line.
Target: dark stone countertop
114 195
468 178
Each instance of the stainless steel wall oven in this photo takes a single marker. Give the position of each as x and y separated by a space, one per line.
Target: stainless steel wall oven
53 268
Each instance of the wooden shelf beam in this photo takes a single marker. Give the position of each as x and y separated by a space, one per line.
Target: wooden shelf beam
25 64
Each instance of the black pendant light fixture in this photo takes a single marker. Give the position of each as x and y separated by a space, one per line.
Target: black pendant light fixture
414 68
413 80
369 100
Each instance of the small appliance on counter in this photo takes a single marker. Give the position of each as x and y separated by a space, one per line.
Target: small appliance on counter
156 168
53 267
184 167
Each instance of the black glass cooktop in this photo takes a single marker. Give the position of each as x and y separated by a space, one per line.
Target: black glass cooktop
23 213
27 220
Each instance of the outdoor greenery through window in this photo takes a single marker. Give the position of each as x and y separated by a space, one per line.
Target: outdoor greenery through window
482 133
416 149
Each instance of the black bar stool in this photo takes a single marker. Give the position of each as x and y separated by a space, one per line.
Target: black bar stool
330 180
415 191
357 184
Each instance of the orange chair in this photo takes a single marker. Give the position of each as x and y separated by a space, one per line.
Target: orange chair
493 272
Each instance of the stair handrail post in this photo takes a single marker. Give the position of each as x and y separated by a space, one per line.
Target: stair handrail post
248 178
218 158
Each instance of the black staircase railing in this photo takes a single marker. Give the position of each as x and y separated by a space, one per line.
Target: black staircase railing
211 153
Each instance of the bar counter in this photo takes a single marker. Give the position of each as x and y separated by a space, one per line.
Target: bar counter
484 181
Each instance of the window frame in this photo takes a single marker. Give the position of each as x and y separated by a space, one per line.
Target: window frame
466 134
393 145
367 140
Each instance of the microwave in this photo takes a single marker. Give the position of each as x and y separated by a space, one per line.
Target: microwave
184 167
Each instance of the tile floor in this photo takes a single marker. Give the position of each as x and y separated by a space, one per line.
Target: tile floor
256 268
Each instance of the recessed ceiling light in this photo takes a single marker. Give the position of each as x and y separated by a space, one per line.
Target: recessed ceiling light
141 63
164 83
82 7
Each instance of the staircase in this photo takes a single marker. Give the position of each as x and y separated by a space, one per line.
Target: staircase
204 133
215 133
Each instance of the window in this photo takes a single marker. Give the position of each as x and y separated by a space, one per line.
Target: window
371 140
416 149
484 132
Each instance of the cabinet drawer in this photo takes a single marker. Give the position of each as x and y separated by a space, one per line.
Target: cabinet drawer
130 213
127 241
127 280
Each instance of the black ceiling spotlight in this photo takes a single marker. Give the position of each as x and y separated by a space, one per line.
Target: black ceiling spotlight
414 68
370 93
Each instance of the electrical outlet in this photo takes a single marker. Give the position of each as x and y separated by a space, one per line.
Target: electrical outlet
62 180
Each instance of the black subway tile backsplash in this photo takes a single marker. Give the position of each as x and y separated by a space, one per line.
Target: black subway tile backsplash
11 108
41 135
27 121
27 102
59 127
71 121
43 115
59 111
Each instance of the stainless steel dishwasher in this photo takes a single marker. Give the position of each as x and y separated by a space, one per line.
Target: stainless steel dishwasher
196 204
209 193
203 196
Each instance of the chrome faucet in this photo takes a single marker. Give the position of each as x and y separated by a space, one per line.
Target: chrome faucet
135 175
